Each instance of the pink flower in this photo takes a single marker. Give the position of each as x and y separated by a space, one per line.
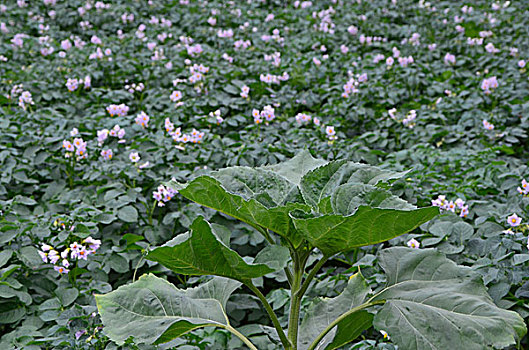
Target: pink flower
61 269
134 157
514 220
488 125
450 59
413 243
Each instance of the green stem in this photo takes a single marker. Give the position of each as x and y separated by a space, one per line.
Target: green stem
271 314
311 275
339 319
152 212
299 258
232 330
295 304
289 275
241 337
136 269
266 235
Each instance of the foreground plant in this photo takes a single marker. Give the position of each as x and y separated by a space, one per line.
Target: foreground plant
302 206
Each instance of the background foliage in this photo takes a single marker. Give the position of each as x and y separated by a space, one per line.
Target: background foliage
448 149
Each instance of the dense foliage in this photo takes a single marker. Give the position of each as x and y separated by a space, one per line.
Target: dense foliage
102 102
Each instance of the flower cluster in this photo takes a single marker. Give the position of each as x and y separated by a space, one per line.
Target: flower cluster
487 125
450 59
73 84
76 251
216 116
351 87
134 87
142 119
454 206
78 145
194 137
408 120
330 132
275 58
274 79
163 195
242 44
228 33
489 84
245 91
268 114
120 110
524 189
107 154
303 118
25 99
100 54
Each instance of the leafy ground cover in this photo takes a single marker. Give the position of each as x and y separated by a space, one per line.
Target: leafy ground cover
104 102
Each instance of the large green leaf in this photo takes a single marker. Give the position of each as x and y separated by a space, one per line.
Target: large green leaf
153 310
323 312
321 182
348 197
265 186
294 169
432 303
209 192
337 233
201 252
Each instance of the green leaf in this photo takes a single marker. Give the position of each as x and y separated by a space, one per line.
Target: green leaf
428 296
294 169
322 312
348 197
209 192
67 295
11 311
128 214
321 182
153 310
274 256
350 328
336 233
265 186
5 255
202 253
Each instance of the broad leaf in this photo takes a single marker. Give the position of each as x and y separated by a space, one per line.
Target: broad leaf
153 310
350 328
265 186
209 192
336 233
274 256
429 297
294 169
348 197
323 181
324 311
201 252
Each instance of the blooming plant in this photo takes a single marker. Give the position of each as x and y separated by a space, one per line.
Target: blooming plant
308 210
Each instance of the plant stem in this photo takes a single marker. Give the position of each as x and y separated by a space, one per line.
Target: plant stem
241 337
295 304
339 319
271 314
152 212
311 275
289 275
299 258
